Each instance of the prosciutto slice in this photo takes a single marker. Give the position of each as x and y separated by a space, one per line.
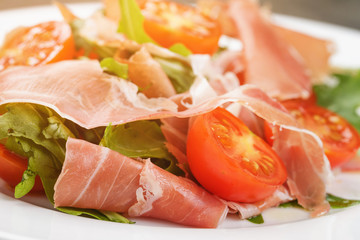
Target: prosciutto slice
247 210
272 64
99 178
79 91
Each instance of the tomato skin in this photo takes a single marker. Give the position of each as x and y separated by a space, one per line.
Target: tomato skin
43 43
341 140
12 167
223 173
169 23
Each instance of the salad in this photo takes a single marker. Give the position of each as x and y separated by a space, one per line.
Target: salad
144 110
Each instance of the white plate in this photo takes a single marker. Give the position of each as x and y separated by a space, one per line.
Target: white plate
31 218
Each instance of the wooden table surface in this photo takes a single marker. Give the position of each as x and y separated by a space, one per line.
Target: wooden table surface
341 12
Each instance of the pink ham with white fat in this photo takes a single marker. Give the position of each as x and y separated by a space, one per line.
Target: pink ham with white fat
99 178
79 91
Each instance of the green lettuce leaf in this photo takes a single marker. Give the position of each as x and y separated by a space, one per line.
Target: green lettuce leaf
180 48
342 97
334 201
256 219
180 74
110 65
142 139
100 215
132 22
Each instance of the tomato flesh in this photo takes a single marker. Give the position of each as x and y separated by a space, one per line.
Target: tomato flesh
12 167
341 141
230 161
169 23
46 42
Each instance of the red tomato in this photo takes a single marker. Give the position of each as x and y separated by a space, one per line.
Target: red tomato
43 43
341 141
230 161
12 167
169 23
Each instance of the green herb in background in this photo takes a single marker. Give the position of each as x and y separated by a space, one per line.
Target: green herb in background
342 97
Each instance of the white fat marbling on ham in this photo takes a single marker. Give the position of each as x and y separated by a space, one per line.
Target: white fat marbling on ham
98 178
247 210
149 191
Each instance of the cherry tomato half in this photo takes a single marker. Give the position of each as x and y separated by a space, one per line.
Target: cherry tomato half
230 161
341 141
39 44
12 167
169 23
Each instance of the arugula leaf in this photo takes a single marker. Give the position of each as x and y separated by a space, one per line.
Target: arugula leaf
100 215
116 217
132 22
112 66
142 139
180 75
293 203
334 201
337 202
256 219
343 97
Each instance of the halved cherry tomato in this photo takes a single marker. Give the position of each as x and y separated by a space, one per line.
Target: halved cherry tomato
12 167
39 44
341 140
230 161
169 23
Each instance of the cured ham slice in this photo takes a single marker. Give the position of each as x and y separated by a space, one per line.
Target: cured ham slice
246 210
79 91
99 178
146 73
316 52
96 177
271 63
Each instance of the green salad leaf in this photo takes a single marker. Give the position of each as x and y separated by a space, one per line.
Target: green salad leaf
337 202
180 74
180 48
132 22
110 65
142 139
256 219
334 201
342 96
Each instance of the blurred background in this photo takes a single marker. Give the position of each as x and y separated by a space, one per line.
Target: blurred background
341 12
